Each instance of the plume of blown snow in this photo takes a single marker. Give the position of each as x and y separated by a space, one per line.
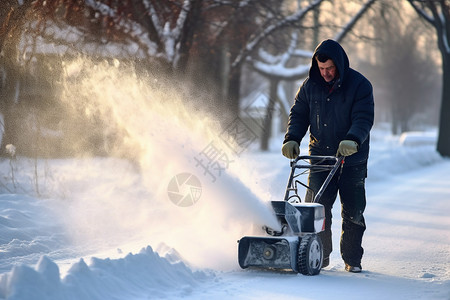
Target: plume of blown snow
113 199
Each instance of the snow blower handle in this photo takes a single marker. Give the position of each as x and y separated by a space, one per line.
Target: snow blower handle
338 162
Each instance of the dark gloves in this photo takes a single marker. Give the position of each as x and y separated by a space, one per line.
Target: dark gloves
347 148
290 149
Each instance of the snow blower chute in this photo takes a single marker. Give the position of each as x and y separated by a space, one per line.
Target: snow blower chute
297 246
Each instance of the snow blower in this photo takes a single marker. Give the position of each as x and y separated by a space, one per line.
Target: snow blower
297 246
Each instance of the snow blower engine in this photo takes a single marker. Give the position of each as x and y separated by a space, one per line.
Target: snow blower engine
297 246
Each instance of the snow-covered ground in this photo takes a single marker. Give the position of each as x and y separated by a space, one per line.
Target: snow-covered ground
111 228
98 233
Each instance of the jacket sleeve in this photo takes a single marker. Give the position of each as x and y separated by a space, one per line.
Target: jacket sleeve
362 113
298 117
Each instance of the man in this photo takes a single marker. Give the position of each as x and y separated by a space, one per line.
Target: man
336 104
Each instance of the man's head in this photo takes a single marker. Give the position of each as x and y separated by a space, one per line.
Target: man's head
327 68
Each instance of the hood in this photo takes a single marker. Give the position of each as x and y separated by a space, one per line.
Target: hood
335 51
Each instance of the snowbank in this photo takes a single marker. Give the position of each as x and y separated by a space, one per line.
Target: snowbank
145 273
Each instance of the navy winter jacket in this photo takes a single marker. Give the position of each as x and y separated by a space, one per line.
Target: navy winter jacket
344 113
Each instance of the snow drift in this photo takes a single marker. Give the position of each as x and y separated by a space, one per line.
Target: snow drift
135 274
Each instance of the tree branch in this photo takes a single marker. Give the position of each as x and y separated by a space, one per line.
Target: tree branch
253 44
422 13
347 28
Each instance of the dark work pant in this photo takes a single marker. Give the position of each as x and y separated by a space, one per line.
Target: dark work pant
350 183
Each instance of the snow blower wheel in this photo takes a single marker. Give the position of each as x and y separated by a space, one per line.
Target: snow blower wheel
310 255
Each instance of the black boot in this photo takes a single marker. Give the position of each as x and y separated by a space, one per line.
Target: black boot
353 269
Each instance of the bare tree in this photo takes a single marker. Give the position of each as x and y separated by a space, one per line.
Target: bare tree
182 38
437 13
279 67
405 75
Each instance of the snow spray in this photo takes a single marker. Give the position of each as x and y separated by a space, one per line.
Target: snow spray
173 193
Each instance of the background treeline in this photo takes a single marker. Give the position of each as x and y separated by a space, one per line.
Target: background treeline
220 48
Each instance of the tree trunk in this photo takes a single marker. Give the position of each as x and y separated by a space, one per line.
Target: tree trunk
8 104
267 125
190 27
440 20
443 143
232 101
